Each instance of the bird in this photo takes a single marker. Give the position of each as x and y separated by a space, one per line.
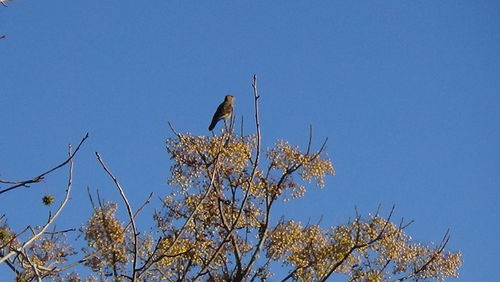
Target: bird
224 111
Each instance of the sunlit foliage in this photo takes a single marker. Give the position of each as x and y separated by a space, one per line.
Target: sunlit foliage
215 224
225 199
106 236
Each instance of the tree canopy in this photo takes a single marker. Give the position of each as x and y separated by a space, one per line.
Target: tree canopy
216 223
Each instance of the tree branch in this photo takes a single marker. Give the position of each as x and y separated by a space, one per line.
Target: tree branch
356 245
63 204
149 262
129 211
41 176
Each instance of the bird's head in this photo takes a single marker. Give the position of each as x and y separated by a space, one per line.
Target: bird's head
229 98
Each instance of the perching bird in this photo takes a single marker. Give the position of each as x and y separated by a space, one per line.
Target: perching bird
224 111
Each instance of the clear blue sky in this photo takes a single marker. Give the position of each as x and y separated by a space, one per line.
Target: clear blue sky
408 93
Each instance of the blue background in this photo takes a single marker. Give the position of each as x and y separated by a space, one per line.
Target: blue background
408 93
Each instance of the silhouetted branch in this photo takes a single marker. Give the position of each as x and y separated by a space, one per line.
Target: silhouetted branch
40 177
59 232
310 139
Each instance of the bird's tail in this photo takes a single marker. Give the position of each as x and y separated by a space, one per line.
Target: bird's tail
212 125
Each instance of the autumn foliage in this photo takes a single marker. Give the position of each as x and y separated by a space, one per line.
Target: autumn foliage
216 223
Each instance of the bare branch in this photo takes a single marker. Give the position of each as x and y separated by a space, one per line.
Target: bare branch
173 130
241 127
51 218
310 139
41 176
129 211
59 232
148 200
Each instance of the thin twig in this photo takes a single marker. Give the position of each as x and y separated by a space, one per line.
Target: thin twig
51 218
241 127
173 130
129 211
310 139
148 200
59 232
41 176
91 199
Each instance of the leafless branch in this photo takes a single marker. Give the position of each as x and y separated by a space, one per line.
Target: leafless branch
148 200
241 127
41 176
173 130
56 214
59 232
129 211
310 139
